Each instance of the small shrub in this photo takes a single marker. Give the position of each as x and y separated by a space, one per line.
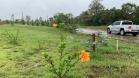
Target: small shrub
102 39
61 25
40 46
88 44
71 28
68 27
12 38
66 61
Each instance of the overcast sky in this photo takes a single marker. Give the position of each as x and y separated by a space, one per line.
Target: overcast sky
47 8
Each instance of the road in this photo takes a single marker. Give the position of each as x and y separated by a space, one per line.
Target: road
128 37
89 31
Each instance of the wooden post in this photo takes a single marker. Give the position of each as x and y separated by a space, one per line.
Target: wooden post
93 40
117 45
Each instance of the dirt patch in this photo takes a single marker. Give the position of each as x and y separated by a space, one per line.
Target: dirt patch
113 72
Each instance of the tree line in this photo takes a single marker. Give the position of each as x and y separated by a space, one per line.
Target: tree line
98 15
95 15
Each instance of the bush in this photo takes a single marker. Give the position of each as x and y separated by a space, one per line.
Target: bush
41 45
12 38
68 27
88 44
102 38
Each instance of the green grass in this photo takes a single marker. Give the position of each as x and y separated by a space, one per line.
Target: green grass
26 61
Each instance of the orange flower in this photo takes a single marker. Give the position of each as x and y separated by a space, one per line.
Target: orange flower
84 56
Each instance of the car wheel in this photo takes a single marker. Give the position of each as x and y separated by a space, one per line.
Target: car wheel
135 34
122 32
108 31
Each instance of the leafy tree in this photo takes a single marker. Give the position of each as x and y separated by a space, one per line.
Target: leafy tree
84 18
128 10
115 14
95 7
136 16
98 15
63 18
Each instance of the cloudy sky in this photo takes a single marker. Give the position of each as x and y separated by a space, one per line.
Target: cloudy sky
47 8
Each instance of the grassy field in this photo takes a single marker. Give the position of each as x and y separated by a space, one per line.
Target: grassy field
25 60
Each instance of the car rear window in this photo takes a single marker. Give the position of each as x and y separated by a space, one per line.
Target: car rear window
127 23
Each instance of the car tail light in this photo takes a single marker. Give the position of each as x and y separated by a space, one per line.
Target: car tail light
129 27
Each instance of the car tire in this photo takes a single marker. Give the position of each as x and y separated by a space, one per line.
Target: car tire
134 34
122 32
108 31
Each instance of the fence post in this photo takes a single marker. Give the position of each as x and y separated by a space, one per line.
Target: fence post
117 47
94 40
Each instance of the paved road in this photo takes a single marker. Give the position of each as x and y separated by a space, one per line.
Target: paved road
128 37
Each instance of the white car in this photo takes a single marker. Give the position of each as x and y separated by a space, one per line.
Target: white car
123 27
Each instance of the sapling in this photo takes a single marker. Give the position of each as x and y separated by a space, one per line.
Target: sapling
12 38
62 66
102 38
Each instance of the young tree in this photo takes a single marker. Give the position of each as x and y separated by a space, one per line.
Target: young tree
37 22
41 21
23 21
32 22
28 18
17 21
0 21
84 18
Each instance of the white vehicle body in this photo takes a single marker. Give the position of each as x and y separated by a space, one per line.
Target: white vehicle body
123 27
